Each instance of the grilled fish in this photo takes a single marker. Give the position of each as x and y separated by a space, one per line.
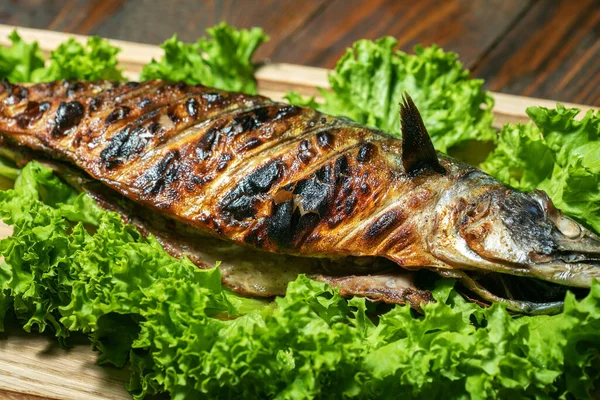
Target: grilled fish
290 181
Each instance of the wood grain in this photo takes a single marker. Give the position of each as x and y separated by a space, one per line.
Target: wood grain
33 366
466 27
73 16
137 20
151 21
553 52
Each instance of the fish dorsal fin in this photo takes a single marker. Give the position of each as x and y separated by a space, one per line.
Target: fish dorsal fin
418 154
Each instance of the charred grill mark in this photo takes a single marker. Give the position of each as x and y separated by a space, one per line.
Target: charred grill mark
261 114
153 127
248 121
180 86
324 173
350 203
383 225
129 141
240 202
365 152
312 195
286 112
67 116
113 95
305 153
240 125
212 98
281 224
340 168
145 102
172 114
275 138
160 175
17 94
191 106
349 188
117 114
196 180
223 161
32 113
144 117
364 188
123 145
73 88
299 209
95 104
205 144
325 139
250 144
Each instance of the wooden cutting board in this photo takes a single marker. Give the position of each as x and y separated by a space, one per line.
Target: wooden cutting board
33 366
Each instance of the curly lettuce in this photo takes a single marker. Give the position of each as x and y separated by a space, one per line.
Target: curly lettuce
24 62
19 61
70 266
559 155
94 60
223 60
370 79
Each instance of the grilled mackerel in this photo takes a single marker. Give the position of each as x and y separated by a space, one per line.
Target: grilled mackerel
281 182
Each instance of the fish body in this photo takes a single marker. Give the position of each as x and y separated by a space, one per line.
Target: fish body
288 180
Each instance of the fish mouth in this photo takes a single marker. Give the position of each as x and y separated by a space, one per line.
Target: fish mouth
575 263
540 285
569 269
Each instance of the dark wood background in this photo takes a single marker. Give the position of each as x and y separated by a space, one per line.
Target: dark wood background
540 48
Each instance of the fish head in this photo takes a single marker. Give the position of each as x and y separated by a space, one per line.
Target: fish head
499 229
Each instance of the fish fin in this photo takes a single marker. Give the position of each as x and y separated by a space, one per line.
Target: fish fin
418 153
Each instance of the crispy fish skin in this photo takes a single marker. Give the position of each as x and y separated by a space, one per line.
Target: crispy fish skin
267 175
290 180
245 271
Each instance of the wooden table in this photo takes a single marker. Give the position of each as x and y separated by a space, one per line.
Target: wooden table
539 48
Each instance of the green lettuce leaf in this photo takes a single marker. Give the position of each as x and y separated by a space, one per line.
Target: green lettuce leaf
19 61
95 60
24 62
223 61
369 81
559 155
70 266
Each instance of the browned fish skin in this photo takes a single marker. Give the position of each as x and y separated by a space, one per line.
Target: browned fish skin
290 180
267 175
243 270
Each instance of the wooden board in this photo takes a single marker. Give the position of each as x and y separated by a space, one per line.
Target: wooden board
32 366
35 366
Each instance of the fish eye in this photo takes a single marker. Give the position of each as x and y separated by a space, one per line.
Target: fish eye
535 210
